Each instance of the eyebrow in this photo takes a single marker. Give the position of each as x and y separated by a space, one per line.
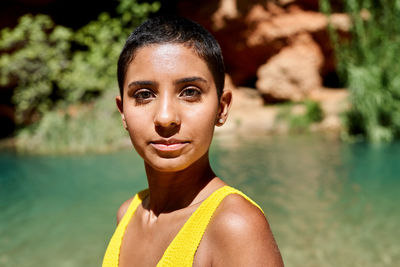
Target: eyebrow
141 83
190 79
179 81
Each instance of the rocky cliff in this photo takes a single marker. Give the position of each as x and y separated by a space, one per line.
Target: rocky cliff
280 47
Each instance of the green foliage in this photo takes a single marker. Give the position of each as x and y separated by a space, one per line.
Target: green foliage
79 128
370 67
300 116
40 53
131 13
93 69
54 68
314 111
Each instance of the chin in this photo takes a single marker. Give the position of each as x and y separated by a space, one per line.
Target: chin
176 164
169 165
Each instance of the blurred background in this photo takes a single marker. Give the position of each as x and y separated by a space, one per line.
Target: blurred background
312 134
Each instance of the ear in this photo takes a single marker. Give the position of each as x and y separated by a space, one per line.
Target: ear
224 106
120 107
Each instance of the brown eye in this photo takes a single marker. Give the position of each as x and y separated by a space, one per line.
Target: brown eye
190 92
142 95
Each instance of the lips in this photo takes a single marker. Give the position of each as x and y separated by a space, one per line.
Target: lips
168 144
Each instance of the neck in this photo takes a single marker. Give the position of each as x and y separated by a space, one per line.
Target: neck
170 191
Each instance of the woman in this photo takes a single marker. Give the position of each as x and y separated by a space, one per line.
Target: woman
171 79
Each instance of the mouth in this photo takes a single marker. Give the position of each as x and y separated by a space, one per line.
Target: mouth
168 144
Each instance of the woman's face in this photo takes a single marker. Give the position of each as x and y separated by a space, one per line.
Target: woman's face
170 106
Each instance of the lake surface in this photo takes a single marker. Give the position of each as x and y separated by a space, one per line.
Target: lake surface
328 203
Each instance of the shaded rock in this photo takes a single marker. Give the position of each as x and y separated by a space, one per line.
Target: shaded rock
284 25
248 114
251 32
305 4
293 73
226 10
7 118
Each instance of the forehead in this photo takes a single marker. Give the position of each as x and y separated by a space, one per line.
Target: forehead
167 61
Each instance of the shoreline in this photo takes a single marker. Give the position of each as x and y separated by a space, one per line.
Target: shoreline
248 116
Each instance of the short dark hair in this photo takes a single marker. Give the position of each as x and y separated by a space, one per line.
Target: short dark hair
174 29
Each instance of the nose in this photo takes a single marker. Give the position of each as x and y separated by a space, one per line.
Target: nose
167 113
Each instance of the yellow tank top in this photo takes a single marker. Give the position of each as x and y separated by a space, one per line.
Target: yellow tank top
182 249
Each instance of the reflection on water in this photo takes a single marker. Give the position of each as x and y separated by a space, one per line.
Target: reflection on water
58 211
328 203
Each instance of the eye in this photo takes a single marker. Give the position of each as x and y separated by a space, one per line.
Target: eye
143 95
190 92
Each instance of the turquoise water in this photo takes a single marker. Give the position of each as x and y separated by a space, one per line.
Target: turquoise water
328 203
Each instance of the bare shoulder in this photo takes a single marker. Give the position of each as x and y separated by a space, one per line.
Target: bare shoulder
241 235
122 209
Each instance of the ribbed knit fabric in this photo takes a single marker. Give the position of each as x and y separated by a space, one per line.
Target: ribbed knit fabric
182 249
111 257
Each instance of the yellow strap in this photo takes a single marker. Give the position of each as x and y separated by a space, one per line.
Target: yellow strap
111 257
182 249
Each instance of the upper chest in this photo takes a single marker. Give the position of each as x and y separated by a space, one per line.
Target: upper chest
145 241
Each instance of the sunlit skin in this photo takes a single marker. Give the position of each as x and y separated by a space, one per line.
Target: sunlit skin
179 101
170 107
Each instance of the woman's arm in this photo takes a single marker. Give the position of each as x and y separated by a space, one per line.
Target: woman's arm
240 236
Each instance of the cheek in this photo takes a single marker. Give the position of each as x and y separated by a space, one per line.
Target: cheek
137 124
201 120
136 117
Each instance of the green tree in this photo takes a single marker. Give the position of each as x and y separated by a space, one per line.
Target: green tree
38 55
64 80
369 66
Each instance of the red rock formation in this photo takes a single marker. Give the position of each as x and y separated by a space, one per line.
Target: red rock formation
292 73
288 39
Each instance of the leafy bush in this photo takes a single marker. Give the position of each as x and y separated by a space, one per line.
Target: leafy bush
39 56
309 112
78 128
314 112
55 69
369 65
93 68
